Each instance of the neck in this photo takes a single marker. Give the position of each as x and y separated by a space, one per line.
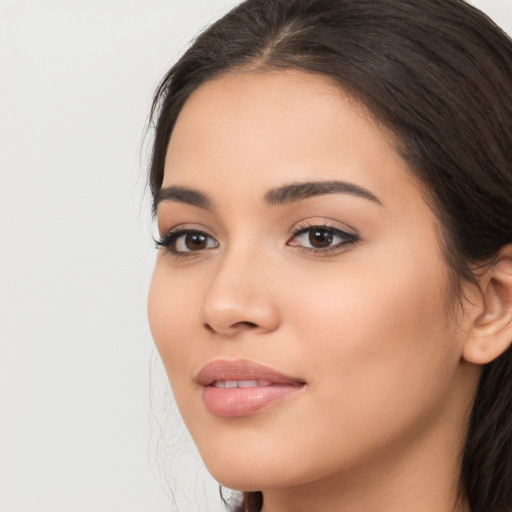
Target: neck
383 488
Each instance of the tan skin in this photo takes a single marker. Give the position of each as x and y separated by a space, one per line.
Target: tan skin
361 312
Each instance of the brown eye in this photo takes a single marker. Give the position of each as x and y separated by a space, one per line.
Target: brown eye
195 241
320 238
187 241
192 241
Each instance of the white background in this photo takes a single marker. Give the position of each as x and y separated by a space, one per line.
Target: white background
76 432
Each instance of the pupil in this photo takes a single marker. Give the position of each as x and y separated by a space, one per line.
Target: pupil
195 241
320 238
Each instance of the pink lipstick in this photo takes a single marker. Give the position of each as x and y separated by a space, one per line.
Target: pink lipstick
240 388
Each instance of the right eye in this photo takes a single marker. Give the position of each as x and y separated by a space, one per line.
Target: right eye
185 241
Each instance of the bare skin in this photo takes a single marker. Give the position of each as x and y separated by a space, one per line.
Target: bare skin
346 290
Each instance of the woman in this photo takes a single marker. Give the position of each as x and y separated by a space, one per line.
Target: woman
332 297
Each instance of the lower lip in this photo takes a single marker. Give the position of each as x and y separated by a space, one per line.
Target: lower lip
237 402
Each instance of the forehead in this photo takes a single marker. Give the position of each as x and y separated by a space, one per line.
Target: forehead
260 129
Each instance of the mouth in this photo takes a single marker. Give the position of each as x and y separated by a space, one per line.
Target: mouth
241 388
241 383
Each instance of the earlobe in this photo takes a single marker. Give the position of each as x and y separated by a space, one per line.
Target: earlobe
490 334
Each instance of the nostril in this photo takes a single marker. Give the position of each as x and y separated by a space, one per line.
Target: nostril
208 327
236 326
248 325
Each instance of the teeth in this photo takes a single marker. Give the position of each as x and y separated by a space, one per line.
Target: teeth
241 383
247 383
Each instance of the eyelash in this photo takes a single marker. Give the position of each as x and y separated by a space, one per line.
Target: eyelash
169 240
346 239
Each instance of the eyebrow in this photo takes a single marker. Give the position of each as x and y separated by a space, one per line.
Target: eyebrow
182 195
299 191
279 196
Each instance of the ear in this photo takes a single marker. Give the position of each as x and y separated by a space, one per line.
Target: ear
490 332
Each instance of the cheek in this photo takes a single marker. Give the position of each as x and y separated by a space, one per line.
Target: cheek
171 308
376 332
172 314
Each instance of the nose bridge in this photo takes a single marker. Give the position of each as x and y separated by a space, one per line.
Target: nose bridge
240 294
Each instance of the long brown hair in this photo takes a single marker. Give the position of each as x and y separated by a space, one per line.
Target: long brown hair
438 75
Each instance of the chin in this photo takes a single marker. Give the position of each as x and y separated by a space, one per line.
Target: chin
248 481
245 472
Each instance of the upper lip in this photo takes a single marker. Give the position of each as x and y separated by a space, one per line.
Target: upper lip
242 369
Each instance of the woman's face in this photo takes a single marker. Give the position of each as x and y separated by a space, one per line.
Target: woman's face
300 301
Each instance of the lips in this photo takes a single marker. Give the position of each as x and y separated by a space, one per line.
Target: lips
241 388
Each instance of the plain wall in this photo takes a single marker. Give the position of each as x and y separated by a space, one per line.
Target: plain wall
76 429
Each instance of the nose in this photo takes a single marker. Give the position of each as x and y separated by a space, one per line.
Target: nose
240 297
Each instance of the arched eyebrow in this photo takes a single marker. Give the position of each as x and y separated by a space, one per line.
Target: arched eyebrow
300 191
182 195
279 196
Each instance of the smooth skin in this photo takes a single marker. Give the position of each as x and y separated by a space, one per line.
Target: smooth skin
362 311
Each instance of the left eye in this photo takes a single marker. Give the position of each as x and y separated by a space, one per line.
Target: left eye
188 242
181 242
320 238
